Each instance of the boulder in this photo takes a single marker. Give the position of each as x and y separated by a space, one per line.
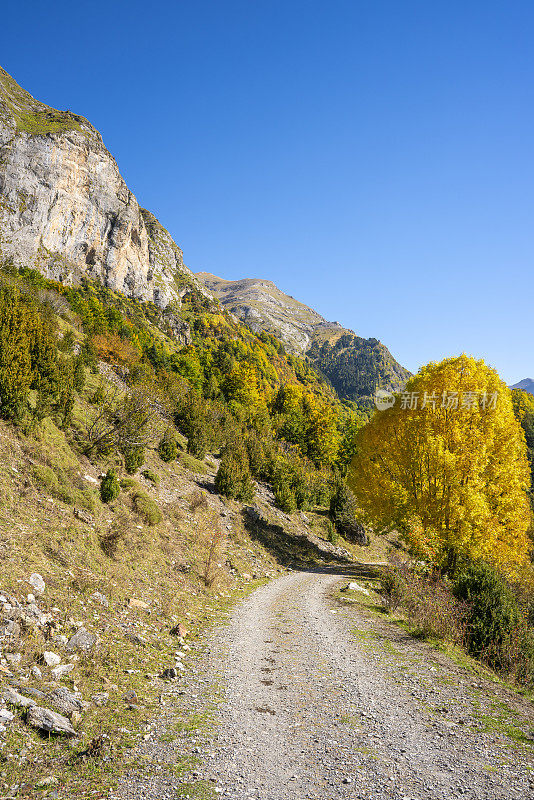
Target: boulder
15 699
62 670
66 701
37 583
51 659
49 721
82 640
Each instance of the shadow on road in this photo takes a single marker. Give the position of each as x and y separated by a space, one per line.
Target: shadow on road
300 550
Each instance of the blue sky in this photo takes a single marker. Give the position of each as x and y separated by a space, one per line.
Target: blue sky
373 158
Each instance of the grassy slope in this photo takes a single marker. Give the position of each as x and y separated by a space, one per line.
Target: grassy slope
42 481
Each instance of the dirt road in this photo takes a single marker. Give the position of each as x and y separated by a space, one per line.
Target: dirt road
320 700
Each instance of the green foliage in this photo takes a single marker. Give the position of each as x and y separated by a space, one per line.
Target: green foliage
233 477
109 487
147 508
284 497
78 377
134 457
493 611
356 367
151 476
193 464
332 535
46 477
66 343
128 483
392 587
345 514
168 447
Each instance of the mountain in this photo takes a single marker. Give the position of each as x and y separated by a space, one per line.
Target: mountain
66 211
526 385
355 366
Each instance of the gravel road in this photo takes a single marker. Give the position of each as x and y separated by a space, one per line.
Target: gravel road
315 700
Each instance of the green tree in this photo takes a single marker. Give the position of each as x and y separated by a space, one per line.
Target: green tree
233 477
167 447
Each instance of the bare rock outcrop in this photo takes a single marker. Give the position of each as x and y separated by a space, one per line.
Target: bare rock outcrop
66 210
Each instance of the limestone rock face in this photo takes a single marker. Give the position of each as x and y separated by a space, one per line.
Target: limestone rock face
65 209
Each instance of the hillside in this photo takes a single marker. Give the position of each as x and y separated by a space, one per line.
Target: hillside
356 367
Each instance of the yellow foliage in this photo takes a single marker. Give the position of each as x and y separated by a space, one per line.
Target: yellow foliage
449 470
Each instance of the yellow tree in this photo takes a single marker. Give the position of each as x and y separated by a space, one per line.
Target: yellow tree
446 465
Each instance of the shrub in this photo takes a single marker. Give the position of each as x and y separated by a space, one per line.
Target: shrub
344 514
134 458
129 483
493 613
284 497
332 535
168 447
197 441
46 477
109 488
147 508
392 587
233 477
197 499
151 476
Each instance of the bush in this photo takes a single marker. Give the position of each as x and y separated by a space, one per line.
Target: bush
392 587
134 458
198 441
332 535
129 483
344 514
151 476
233 477
147 508
284 497
493 612
109 488
46 477
168 447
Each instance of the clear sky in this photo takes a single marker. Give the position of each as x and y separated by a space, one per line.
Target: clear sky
374 158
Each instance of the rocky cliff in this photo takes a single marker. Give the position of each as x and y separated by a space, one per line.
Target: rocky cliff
356 367
65 209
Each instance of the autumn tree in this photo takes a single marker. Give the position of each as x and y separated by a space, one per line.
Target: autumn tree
447 466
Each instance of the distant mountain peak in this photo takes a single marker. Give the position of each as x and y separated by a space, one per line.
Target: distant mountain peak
526 385
356 367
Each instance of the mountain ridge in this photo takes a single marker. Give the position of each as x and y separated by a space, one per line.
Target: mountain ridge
66 211
355 366
525 385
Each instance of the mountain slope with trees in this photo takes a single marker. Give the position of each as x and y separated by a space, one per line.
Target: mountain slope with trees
356 367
